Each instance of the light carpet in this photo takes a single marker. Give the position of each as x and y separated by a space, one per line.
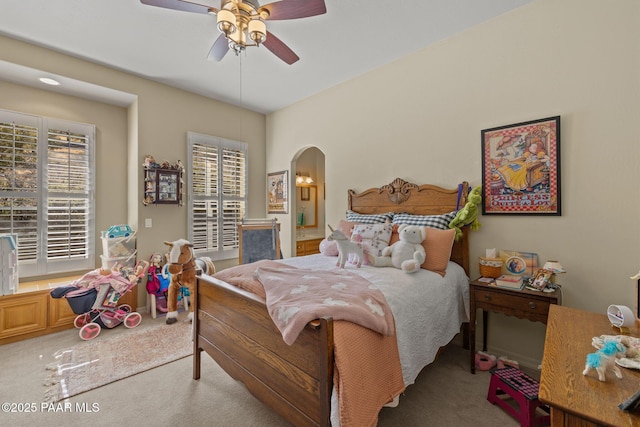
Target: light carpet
105 359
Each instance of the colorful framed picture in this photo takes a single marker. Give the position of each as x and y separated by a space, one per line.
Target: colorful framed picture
521 168
541 279
517 263
278 192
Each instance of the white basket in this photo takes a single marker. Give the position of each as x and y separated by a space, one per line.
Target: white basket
124 261
118 247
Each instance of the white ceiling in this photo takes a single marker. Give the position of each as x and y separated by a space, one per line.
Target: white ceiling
171 47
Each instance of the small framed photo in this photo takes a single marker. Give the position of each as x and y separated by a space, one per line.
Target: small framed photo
521 168
541 279
278 192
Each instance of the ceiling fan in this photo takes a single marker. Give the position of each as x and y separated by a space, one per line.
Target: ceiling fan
242 22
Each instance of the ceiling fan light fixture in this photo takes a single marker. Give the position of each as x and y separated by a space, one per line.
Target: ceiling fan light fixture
236 48
242 23
226 22
257 31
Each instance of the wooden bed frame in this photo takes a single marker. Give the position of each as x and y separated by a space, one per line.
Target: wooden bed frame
235 329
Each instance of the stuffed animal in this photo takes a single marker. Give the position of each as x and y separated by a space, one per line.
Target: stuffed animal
468 215
605 358
345 248
407 254
182 266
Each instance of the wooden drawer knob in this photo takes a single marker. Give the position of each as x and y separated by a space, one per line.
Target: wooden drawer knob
532 305
487 297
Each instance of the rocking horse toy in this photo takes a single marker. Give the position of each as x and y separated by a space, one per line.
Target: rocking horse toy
182 266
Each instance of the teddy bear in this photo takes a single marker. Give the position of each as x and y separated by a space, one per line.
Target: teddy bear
468 215
407 254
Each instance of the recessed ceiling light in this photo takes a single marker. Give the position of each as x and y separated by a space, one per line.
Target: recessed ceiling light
49 81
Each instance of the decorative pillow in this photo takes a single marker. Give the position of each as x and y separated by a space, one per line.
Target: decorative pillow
370 218
438 245
395 237
374 237
434 221
346 227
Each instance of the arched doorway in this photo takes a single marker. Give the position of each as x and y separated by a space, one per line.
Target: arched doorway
308 204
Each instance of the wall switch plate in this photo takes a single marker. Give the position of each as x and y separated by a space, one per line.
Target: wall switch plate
148 223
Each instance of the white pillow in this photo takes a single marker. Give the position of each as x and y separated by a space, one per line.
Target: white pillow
374 237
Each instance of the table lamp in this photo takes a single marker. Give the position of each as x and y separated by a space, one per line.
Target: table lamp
555 267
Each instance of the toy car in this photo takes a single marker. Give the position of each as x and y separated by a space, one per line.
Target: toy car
119 231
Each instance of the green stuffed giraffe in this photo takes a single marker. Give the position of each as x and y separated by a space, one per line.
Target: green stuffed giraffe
468 215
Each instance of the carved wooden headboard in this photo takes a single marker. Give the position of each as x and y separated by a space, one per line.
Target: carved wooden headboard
402 196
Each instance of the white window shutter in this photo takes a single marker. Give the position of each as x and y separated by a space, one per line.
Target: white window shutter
218 194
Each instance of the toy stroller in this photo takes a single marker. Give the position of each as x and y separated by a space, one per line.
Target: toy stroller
97 305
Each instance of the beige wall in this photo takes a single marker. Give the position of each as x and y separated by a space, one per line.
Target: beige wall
155 123
574 58
111 137
420 118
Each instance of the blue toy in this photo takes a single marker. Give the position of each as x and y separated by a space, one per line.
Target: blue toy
605 358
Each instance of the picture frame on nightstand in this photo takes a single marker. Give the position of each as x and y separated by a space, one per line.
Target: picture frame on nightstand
541 279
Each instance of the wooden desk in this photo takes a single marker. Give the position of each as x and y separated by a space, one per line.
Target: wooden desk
575 399
525 304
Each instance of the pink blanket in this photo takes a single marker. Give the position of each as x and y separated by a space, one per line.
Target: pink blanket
296 296
367 371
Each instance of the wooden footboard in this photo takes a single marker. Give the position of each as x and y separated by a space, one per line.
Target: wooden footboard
235 329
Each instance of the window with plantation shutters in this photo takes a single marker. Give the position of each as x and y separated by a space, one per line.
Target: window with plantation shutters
217 194
46 192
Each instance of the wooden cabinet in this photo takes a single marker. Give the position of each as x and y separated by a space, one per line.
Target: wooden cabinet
31 314
162 186
60 313
308 247
23 314
524 304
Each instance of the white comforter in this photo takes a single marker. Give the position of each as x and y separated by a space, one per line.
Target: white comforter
428 308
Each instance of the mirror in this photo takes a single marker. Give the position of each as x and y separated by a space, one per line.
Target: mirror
307 205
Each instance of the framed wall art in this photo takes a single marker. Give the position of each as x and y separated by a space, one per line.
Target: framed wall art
278 192
521 168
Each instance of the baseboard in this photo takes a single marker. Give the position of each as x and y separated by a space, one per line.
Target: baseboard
522 359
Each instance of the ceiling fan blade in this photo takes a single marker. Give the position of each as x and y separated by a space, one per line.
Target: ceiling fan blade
293 9
280 49
185 6
219 49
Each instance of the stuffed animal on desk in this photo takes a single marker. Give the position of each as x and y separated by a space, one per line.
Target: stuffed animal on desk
604 359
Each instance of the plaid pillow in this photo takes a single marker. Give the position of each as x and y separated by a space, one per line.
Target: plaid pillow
369 219
434 221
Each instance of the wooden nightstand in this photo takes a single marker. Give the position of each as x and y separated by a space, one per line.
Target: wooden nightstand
525 304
